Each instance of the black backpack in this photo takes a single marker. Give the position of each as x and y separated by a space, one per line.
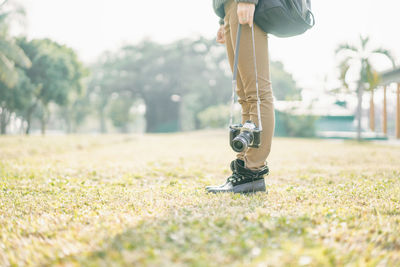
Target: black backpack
284 18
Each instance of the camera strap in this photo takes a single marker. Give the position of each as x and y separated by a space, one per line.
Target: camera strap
235 69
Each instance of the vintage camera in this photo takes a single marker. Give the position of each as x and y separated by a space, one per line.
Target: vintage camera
244 136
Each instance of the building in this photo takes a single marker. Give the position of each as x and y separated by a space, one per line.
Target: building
333 119
387 79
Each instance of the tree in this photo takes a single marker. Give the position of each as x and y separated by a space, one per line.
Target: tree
176 81
120 111
105 80
162 76
10 53
11 56
285 87
76 108
361 57
181 78
14 100
56 72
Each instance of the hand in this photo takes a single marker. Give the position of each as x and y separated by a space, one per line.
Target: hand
221 35
245 12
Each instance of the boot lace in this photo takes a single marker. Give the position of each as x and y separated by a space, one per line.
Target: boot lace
235 177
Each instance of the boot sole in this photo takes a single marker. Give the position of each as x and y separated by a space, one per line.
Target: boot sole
256 186
210 187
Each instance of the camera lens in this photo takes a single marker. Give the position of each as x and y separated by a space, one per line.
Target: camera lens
242 141
238 146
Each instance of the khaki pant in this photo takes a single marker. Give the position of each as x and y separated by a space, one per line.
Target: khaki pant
254 158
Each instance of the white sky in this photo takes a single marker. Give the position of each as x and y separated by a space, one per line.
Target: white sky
92 26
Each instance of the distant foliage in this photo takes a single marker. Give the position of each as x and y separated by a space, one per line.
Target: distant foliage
214 117
175 81
283 84
55 76
120 114
181 84
185 85
11 55
295 125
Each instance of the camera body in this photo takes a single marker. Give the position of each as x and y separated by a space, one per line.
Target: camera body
241 137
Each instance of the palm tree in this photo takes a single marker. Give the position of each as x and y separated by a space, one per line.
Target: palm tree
361 56
10 53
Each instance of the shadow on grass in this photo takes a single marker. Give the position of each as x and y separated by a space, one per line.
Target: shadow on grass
211 235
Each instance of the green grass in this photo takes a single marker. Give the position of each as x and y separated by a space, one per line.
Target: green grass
140 200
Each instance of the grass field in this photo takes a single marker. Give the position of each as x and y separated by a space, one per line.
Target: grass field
140 200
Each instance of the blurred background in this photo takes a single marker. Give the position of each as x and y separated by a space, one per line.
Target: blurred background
154 66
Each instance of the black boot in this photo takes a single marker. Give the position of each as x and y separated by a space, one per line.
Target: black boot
242 180
239 161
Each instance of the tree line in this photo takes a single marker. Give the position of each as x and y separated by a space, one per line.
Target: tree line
42 81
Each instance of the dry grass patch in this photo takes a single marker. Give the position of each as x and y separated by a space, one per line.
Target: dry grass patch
140 200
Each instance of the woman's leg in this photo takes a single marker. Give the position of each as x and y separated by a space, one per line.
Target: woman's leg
254 157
